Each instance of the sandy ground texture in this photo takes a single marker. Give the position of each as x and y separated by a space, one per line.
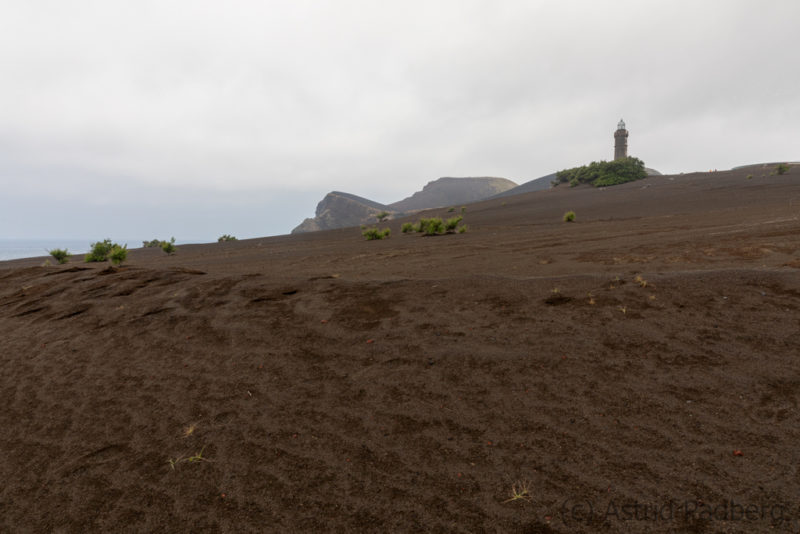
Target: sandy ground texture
637 370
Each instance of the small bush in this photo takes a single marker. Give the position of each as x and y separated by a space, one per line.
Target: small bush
118 254
100 251
226 237
155 243
450 224
382 216
435 226
462 229
569 216
749 176
463 209
782 168
451 210
407 228
371 234
431 226
61 255
168 246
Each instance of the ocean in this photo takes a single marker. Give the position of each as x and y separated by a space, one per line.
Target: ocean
14 248
11 249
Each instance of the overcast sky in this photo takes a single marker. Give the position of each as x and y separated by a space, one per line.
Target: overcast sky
193 118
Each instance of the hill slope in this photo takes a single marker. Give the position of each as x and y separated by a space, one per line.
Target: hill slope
452 191
645 354
537 184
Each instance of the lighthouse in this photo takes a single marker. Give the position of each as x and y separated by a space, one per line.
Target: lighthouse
621 141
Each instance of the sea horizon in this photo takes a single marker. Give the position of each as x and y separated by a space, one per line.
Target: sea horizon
12 248
17 248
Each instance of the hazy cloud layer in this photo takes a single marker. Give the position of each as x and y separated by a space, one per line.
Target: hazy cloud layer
197 118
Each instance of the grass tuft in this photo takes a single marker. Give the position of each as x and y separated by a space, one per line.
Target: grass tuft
519 492
195 458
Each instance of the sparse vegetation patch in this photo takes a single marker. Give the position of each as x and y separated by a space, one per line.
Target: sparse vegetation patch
569 216
168 246
100 251
226 237
451 223
60 255
372 234
603 173
118 254
431 226
436 226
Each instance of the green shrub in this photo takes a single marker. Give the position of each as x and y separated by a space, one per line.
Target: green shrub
782 168
61 255
382 216
407 228
451 210
603 173
463 209
226 237
569 216
118 254
435 226
168 246
450 224
462 229
431 226
371 234
100 251
155 243
749 176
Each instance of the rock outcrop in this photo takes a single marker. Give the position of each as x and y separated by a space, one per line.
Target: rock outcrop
340 210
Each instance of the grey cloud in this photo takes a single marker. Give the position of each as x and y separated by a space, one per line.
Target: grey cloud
293 99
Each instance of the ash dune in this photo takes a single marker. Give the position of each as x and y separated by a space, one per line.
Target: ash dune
645 353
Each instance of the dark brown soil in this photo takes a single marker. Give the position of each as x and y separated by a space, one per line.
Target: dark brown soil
648 353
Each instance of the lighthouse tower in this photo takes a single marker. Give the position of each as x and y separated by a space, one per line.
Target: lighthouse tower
621 141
